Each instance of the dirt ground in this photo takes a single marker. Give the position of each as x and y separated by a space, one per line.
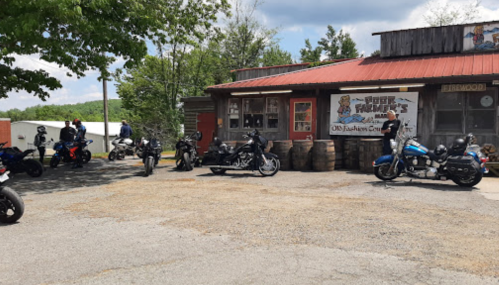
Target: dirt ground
263 215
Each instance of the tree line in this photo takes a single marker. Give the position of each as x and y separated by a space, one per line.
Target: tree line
87 112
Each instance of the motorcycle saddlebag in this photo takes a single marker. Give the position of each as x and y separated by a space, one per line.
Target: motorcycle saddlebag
210 158
462 165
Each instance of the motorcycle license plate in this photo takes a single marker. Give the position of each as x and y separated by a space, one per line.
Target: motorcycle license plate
4 177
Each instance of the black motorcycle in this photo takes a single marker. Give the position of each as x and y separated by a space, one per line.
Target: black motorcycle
13 159
187 156
11 204
250 156
151 154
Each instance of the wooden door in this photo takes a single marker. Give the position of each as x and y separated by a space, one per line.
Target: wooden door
206 123
302 118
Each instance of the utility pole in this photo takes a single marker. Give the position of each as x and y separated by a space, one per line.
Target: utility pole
106 123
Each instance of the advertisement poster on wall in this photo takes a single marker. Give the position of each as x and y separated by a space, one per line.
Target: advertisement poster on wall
481 38
364 114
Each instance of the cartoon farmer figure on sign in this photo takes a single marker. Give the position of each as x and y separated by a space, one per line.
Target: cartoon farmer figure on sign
344 113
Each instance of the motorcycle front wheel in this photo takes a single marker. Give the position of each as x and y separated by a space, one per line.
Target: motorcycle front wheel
270 168
11 205
187 161
54 161
382 172
148 165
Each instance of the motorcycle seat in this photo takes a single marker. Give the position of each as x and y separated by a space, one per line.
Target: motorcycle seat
437 158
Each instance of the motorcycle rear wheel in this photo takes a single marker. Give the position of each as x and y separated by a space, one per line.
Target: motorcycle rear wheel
87 156
11 205
112 156
218 171
381 172
470 182
34 168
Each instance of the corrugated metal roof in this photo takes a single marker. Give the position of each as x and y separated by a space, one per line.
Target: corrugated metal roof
374 69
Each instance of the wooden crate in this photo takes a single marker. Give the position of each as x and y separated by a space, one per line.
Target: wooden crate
493 167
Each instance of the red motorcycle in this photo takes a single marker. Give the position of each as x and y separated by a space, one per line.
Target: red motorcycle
67 153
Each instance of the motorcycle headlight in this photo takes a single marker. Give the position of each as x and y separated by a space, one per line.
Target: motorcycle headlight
393 144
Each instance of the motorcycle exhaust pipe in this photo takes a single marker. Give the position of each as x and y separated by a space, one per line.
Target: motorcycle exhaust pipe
223 167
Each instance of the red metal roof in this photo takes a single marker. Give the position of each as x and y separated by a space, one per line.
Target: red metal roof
372 69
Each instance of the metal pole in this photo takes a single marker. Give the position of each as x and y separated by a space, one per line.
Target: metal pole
106 129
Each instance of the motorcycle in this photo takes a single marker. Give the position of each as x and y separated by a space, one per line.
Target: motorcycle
186 152
250 156
462 163
66 152
11 204
122 147
151 154
13 160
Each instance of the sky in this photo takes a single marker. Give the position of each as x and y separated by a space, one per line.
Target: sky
296 20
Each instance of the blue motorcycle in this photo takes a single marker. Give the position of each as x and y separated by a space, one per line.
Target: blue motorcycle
13 159
463 163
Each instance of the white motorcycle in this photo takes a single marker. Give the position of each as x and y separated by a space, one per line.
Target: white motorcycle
11 204
122 147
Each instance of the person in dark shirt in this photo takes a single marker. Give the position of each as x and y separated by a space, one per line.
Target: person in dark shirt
67 133
389 130
126 130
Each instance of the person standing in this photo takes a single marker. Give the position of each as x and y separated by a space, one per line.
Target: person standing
67 133
389 130
40 141
126 130
80 142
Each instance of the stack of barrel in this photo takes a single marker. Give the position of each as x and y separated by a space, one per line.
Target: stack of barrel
283 150
369 150
302 155
324 155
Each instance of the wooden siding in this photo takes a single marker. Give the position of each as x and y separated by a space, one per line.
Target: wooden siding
193 106
261 72
434 40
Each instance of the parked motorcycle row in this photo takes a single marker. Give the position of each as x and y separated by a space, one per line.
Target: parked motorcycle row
463 163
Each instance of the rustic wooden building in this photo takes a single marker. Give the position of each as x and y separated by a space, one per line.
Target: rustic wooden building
444 80
199 115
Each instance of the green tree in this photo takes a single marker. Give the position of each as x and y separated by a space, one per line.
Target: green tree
246 38
337 46
274 55
442 13
84 34
309 54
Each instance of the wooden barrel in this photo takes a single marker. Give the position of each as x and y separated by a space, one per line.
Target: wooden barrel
302 155
338 148
369 150
230 143
269 146
283 150
240 143
351 153
323 155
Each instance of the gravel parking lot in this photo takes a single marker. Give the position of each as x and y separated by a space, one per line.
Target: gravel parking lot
106 224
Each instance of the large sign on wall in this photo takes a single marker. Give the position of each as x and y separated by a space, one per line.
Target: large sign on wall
481 38
364 114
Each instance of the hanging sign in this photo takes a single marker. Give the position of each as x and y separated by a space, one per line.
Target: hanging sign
472 87
364 114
